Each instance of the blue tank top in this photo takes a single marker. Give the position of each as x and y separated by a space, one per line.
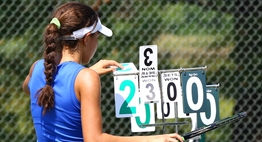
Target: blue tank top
63 121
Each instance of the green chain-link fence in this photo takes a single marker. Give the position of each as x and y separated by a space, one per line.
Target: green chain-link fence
225 35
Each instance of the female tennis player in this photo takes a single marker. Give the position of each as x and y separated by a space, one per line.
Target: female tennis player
65 95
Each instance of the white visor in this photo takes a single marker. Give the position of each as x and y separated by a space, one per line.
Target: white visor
78 34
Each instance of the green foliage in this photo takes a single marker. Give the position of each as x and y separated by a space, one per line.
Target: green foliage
187 35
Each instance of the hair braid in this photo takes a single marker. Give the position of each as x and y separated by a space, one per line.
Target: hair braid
46 94
72 16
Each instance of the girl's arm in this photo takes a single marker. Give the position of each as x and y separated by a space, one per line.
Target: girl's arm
27 79
88 88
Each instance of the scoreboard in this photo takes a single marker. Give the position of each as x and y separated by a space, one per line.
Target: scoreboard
167 94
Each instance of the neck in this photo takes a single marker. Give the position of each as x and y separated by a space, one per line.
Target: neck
70 56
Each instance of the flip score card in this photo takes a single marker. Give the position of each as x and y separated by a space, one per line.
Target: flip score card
212 113
148 74
166 111
171 86
147 116
194 91
126 92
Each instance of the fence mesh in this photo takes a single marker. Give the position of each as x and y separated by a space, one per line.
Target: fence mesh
225 35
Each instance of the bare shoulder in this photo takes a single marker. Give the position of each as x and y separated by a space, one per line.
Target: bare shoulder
27 79
87 81
87 75
32 68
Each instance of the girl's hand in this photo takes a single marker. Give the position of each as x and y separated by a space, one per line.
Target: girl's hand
174 137
106 66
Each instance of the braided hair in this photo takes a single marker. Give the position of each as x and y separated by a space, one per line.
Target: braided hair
72 16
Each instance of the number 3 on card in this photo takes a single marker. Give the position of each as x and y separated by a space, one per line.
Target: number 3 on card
148 74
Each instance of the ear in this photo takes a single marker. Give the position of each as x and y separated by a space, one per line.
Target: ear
86 38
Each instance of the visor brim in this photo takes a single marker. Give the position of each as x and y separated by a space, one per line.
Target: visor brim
105 31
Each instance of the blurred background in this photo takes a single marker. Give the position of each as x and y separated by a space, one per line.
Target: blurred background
224 35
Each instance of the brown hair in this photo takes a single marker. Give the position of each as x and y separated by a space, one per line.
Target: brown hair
72 16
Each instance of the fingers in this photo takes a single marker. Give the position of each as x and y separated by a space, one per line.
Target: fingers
175 137
172 140
106 66
110 69
111 64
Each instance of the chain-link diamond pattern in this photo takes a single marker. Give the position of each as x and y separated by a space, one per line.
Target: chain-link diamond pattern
225 35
